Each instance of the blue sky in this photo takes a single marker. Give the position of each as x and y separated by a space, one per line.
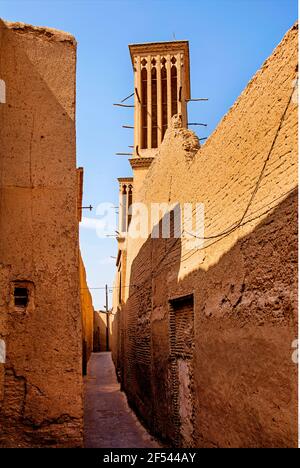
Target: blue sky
229 41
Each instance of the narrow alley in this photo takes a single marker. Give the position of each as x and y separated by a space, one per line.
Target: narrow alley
148 227
109 422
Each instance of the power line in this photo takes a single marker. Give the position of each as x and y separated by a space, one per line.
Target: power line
221 235
112 287
253 212
229 230
185 257
127 97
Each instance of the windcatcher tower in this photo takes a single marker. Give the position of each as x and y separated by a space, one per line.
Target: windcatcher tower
161 90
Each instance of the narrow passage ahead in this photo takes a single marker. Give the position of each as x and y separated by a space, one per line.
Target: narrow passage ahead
108 420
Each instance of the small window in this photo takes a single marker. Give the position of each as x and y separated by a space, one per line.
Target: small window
21 297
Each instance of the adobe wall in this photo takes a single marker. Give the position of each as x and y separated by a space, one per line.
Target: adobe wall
87 312
41 380
243 282
100 331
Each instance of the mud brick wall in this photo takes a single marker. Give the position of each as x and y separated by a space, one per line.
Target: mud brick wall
243 282
87 312
41 379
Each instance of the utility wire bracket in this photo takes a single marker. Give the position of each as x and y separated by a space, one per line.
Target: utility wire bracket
87 207
123 105
197 99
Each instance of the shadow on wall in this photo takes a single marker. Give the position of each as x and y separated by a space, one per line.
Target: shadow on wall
235 384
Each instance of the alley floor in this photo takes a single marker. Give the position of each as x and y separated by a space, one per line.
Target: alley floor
108 420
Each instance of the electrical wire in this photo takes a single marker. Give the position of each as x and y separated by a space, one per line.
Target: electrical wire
238 224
